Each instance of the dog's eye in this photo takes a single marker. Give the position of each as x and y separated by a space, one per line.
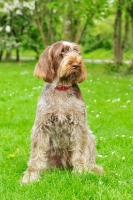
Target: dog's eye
77 51
66 50
63 52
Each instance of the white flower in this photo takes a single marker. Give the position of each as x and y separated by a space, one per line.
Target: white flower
38 87
113 152
123 157
8 29
123 106
128 101
101 156
102 138
100 182
97 116
30 5
18 12
115 100
24 72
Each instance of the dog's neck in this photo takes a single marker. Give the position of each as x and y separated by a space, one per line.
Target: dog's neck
62 85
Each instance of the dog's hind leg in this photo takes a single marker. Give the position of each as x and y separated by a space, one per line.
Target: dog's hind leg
91 154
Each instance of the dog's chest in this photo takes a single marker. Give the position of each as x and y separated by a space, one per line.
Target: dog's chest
63 120
60 117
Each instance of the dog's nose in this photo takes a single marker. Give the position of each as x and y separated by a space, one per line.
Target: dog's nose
75 65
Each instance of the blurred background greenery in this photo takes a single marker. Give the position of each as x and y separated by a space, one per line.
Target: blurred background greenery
104 28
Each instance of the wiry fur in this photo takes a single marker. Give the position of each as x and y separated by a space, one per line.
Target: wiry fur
60 135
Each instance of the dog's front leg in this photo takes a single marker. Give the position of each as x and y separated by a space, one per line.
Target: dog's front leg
78 160
38 157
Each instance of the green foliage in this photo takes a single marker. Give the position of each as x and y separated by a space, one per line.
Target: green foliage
36 24
109 104
99 35
15 23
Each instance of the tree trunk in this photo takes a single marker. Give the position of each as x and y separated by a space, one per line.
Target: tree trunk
117 36
68 36
51 32
38 16
8 55
131 15
1 54
40 28
80 32
17 55
126 32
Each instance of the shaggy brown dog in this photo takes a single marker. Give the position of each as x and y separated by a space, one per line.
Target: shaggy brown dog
60 135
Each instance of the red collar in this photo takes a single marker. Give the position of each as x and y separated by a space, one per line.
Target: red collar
63 88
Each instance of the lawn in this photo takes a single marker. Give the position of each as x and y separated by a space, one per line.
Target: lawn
109 100
102 53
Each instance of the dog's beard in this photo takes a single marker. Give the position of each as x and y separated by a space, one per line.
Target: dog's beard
69 75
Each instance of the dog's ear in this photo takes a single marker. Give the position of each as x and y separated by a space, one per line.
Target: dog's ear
44 68
83 75
82 78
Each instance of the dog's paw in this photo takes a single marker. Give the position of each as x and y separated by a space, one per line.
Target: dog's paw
97 169
30 177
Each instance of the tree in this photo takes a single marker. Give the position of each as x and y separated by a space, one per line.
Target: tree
66 20
117 34
130 11
15 21
124 14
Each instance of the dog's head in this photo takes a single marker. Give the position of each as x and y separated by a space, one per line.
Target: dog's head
62 61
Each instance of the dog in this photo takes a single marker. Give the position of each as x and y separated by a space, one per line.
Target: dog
60 136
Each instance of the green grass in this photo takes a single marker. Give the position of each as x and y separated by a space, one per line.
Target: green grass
109 100
26 53
102 53
99 54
